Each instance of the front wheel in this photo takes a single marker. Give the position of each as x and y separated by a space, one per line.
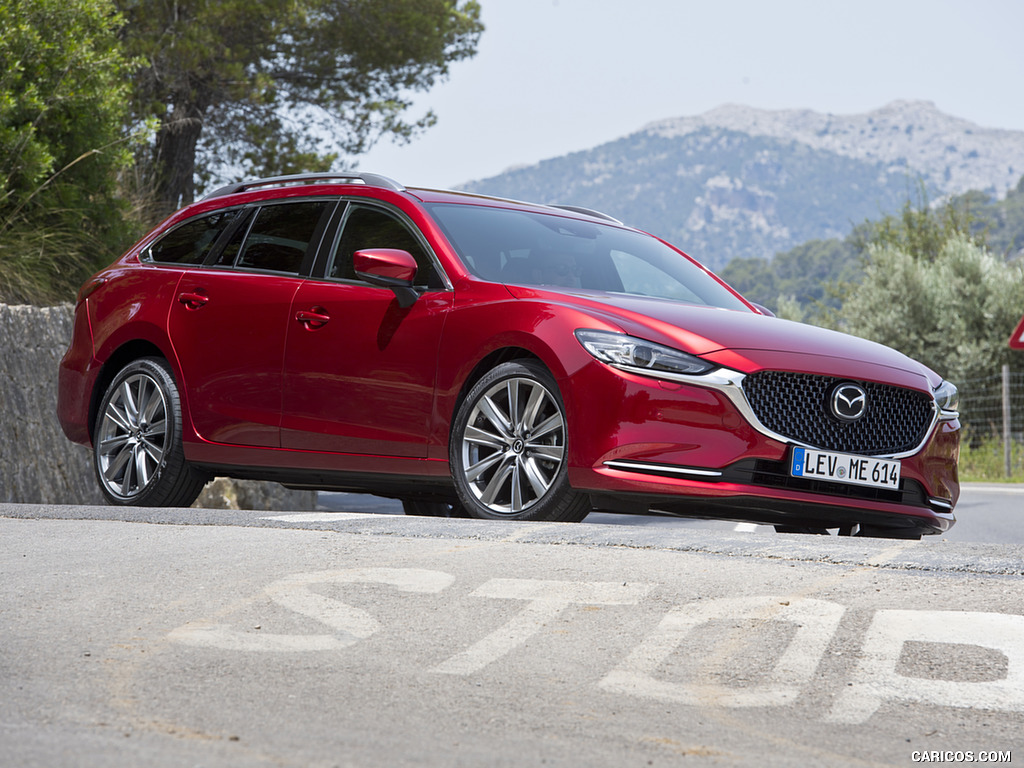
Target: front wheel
137 450
508 449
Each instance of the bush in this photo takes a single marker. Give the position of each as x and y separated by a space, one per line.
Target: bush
983 461
953 312
63 97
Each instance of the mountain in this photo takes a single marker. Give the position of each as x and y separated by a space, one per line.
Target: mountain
742 182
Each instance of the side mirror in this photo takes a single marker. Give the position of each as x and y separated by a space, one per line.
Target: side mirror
763 309
388 268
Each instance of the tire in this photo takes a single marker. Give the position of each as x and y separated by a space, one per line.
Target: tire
508 448
137 451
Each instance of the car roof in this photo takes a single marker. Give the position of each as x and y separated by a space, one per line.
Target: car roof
342 183
470 198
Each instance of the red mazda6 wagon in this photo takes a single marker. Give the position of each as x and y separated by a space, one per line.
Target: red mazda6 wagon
481 357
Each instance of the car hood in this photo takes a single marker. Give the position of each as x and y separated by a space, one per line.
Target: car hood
750 342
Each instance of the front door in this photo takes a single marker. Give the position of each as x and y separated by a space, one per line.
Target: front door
359 369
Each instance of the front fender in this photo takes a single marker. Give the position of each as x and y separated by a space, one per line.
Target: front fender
490 321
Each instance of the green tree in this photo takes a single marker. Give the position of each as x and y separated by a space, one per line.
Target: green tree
953 310
796 283
920 229
1001 221
63 89
932 289
284 85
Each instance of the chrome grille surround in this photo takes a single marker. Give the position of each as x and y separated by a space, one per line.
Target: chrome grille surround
795 405
733 385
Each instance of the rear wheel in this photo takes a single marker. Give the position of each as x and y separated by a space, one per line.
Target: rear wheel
508 449
137 451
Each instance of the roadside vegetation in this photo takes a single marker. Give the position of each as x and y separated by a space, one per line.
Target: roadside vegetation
64 145
985 461
115 112
810 278
932 288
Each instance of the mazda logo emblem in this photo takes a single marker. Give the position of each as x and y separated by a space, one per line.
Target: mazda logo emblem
849 402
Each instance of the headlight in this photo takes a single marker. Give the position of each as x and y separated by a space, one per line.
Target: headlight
947 396
639 356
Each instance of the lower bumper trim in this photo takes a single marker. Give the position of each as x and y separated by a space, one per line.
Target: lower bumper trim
669 470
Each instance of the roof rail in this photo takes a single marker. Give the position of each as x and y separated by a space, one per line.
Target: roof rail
370 179
587 212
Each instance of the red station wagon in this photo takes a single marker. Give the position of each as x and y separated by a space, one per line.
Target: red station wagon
481 357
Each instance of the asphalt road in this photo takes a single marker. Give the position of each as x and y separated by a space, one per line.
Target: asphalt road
992 513
200 637
986 513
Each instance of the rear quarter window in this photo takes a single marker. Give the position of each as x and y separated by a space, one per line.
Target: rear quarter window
190 242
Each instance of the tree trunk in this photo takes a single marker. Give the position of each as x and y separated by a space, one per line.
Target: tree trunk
175 151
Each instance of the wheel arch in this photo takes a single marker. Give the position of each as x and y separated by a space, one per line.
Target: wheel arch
122 356
486 363
541 497
513 330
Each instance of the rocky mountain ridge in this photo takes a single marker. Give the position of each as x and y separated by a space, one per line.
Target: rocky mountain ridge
742 182
953 154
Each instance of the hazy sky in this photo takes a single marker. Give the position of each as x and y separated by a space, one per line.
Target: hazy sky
557 76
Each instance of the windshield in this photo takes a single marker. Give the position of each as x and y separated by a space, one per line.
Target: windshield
525 248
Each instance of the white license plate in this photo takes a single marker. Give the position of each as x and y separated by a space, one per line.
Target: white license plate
845 468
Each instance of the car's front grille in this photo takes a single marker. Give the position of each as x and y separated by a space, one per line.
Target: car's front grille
797 406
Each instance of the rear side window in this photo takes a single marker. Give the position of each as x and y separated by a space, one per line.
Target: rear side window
279 236
191 242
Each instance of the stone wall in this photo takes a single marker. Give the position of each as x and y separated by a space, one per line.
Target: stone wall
37 463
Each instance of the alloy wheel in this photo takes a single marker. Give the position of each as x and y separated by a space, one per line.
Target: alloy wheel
513 445
132 437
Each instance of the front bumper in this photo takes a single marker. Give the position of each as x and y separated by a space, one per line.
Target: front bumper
639 443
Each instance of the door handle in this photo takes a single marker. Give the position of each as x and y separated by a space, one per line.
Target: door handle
313 318
193 299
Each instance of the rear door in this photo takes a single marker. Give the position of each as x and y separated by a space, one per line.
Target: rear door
229 321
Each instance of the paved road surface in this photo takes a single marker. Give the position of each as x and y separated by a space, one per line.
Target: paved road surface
986 513
201 637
